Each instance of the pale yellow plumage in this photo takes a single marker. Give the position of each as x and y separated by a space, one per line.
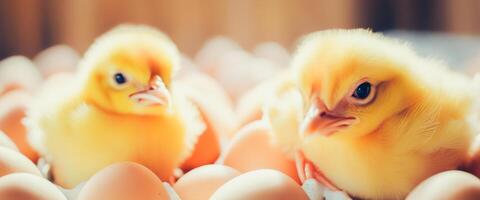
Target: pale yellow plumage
417 123
84 123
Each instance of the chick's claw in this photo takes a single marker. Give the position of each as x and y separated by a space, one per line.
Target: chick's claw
306 170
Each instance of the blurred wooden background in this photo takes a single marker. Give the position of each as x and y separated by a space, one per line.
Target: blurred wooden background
27 26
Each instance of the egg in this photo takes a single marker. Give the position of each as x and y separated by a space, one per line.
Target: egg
23 186
274 52
253 148
216 107
124 181
214 49
12 161
473 164
187 66
262 184
206 150
12 111
473 65
202 182
58 58
18 72
6 142
448 185
240 71
249 106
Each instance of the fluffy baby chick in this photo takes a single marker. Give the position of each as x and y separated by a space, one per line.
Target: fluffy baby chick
121 106
374 118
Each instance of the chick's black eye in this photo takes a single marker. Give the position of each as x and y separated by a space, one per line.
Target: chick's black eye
362 91
119 78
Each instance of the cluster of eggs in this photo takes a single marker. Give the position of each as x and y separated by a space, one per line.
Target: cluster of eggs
250 165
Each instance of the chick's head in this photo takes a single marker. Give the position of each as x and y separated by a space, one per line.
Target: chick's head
352 81
129 70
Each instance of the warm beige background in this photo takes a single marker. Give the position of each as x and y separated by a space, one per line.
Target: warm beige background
26 26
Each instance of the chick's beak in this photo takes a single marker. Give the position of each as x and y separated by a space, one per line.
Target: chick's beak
319 120
157 94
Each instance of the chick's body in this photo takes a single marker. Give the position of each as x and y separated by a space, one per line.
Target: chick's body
380 141
97 138
121 106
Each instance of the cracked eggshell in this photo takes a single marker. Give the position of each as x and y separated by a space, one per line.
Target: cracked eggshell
12 112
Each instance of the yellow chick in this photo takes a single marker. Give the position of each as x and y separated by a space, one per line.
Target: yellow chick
369 116
120 106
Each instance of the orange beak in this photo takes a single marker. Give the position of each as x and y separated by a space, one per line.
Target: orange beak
320 120
157 94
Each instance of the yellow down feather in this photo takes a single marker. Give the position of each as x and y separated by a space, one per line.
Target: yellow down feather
419 122
85 123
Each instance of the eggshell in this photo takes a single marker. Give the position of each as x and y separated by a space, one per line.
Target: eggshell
252 148
249 106
18 72
187 66
232 72
214 49
171 192
12 161
202 182
473 65
206 150
124 181
6 142
58 58
448 185
473 165
216 110
216 107
23 186
12 112
262 184
274 52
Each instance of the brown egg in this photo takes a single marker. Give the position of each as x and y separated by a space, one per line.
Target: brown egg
12 161
12 111
449 185
23 186
58 58
252 148
6 142
262 184
202 182
18 72
124 181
